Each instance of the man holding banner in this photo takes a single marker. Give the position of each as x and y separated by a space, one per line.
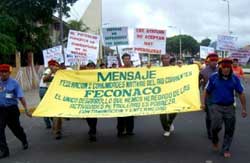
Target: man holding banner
57 121
167 119
125 123
92 122
43 87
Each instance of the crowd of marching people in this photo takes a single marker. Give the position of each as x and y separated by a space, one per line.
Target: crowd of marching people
221 80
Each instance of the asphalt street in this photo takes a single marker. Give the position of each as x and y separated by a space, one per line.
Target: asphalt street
187 144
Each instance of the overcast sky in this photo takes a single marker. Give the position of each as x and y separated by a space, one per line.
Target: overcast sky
198 18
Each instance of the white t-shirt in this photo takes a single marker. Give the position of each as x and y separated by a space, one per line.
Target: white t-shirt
44 84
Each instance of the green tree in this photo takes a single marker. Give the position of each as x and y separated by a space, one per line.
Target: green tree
7 38
205 42
24 24
77 25
188 44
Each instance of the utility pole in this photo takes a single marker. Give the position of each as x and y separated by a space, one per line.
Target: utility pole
61 27
228 15
180 44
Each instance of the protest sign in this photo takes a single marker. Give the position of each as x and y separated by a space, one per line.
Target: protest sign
82 48
242 56
121 92
111 60
54 53
115 36
226 43
151 41
135 58
204 51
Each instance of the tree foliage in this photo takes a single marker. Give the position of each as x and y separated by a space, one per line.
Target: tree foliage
7 37
77 25
24 24
205 42
188 44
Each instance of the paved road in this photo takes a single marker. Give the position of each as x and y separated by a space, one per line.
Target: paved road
188 144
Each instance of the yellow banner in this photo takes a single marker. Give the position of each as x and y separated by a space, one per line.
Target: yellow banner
121 92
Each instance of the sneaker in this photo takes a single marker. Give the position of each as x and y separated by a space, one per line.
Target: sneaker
166 133
171 128
227 154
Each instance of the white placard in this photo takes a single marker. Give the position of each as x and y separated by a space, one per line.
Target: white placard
135 58
115 36
242 56
82 48
111 60
54 53
204 51
226 43
151 41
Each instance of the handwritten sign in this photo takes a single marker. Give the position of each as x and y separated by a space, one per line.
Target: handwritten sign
82 48
152 41
54 53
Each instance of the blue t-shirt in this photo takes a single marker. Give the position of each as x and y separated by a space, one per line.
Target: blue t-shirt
222 90
10 92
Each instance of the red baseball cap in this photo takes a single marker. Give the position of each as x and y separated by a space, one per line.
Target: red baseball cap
53 63
5 68
212 57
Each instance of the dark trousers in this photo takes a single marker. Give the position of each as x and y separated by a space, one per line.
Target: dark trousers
167 120
9 116
125 124
92 122
220 114
208 120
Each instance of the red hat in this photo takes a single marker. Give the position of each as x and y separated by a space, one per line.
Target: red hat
212 57
226 62
5 68
53 63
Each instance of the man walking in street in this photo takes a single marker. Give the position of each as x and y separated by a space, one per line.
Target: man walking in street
221 87
211 68
167 119
10 93
47 79
125 123
92 122
238 71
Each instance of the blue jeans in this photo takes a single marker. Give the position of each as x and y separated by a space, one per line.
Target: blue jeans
47 120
